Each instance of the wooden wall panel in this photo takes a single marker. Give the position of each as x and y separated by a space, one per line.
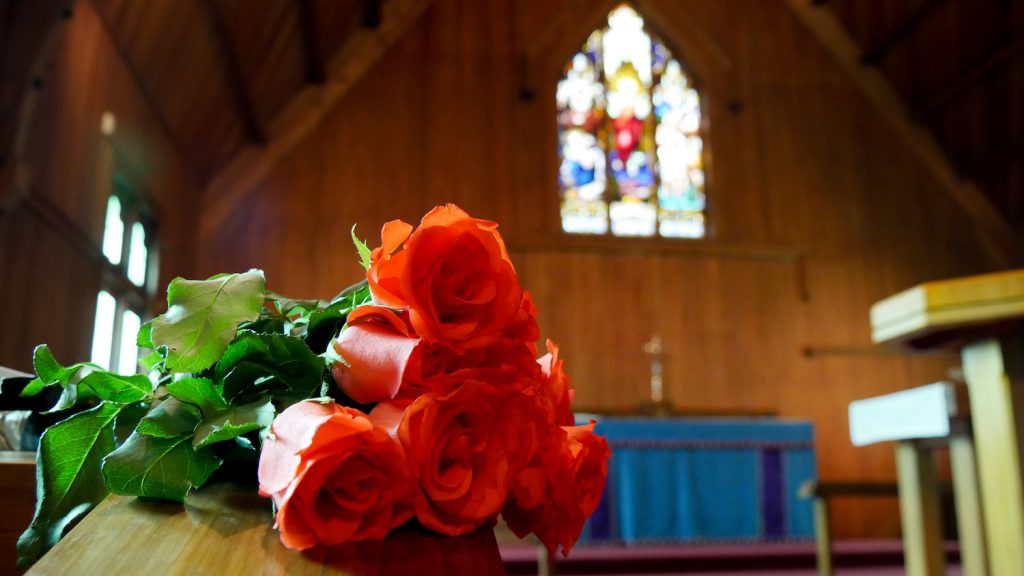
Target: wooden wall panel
49 243
798 160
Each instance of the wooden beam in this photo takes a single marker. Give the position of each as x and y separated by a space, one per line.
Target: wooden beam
372 14
313 52
145 92
974 74
232 184
244 104
992 230
904 30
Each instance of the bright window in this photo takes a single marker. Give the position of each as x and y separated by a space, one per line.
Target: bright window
125 282
629 137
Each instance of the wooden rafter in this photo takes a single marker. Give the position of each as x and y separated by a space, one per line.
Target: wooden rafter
243 97
974 74
992 230
232 184
313 52
144 90
904 30
372 14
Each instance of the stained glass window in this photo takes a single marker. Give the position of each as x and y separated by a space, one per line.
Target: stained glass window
629 137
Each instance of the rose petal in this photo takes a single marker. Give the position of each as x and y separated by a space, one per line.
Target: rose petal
292 431
377 358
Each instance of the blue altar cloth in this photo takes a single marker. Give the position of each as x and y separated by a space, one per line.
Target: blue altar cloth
691 480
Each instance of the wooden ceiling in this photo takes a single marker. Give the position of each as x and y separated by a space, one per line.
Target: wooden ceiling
218 72
236 83
958 65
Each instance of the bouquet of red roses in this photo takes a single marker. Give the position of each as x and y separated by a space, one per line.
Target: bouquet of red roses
415 393
464 422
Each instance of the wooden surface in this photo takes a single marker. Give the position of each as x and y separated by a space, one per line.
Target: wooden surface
17 500
226 529
969 517
949 310
994 370
920 510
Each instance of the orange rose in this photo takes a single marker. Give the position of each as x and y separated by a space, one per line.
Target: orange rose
454 276
376 346
333 476
464 451
575 482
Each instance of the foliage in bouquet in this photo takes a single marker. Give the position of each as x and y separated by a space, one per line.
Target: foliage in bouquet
415 393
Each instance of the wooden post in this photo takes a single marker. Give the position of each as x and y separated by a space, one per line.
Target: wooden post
967 498
545 565
919 510
823 536
995 380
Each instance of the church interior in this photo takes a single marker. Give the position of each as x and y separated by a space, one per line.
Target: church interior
717 208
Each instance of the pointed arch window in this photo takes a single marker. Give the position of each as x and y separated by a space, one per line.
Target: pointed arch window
630 148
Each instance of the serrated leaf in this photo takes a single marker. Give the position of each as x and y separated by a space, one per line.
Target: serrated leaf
152 361
51 373
199 392
165 468
172 418
258 362
119 389
145 337
68 481
203 315
233 422
34 387
127 421
325 324
362 249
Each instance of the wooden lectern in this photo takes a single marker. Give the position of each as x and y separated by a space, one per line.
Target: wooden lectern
982 316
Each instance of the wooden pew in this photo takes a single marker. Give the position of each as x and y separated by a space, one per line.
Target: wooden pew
17 501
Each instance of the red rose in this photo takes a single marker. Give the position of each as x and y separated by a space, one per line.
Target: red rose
438 368
454 276
575 480
464 450
333 476
558 385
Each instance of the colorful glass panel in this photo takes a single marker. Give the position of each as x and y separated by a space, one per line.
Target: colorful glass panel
629 137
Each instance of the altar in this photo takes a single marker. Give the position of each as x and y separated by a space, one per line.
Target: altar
691 480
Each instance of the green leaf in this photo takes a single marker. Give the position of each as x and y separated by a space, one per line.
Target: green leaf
233 422
265 325
68 481
325 324
152 361
165 468
145 337
255 363
199 392
215 421
364 252
35 386
172 418
119 389
203 315
51 373
127 421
